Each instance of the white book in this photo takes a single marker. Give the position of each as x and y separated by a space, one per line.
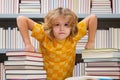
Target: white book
98 69
12 62
112 73
25 58
25 72
1 34
89 78
25 67
23 53
22 77
101 53
101 59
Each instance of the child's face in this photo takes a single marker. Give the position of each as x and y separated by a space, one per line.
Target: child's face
60 28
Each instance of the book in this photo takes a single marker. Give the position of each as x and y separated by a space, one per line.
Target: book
102 69
41 72
89 78
22 57
112 73
23 53
23 62
110 76
25 67
23 77
100 50
2 71
102 64
101 59
101 53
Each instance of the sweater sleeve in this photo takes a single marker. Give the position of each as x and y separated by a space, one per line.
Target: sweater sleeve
82 30
38 32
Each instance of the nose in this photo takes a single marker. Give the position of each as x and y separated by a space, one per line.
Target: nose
62 27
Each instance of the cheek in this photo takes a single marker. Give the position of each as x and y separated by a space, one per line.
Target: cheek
55 31
69 31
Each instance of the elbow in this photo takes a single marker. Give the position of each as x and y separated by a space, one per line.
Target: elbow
94 16
21 20
93 19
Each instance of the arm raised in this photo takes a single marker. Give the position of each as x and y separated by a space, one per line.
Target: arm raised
91 22
25 24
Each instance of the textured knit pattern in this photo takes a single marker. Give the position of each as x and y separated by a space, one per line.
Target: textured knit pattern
59 56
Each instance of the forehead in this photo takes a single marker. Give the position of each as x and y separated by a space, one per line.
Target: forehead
62 18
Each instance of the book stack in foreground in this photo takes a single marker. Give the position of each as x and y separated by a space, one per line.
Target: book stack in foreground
2 71
2 59
24 66
102 62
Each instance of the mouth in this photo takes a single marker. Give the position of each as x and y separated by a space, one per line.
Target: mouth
61 33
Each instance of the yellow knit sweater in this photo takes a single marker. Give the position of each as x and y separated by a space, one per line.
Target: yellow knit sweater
59 56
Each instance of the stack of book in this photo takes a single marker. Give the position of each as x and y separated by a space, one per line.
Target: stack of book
2 69
24 66
30 7
102 62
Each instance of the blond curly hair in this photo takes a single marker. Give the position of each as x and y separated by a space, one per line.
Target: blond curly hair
53 14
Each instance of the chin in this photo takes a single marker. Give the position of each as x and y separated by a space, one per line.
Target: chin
61 38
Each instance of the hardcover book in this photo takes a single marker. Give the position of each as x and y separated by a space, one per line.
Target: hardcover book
25 67
101 53
89 78
23 62
23 53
